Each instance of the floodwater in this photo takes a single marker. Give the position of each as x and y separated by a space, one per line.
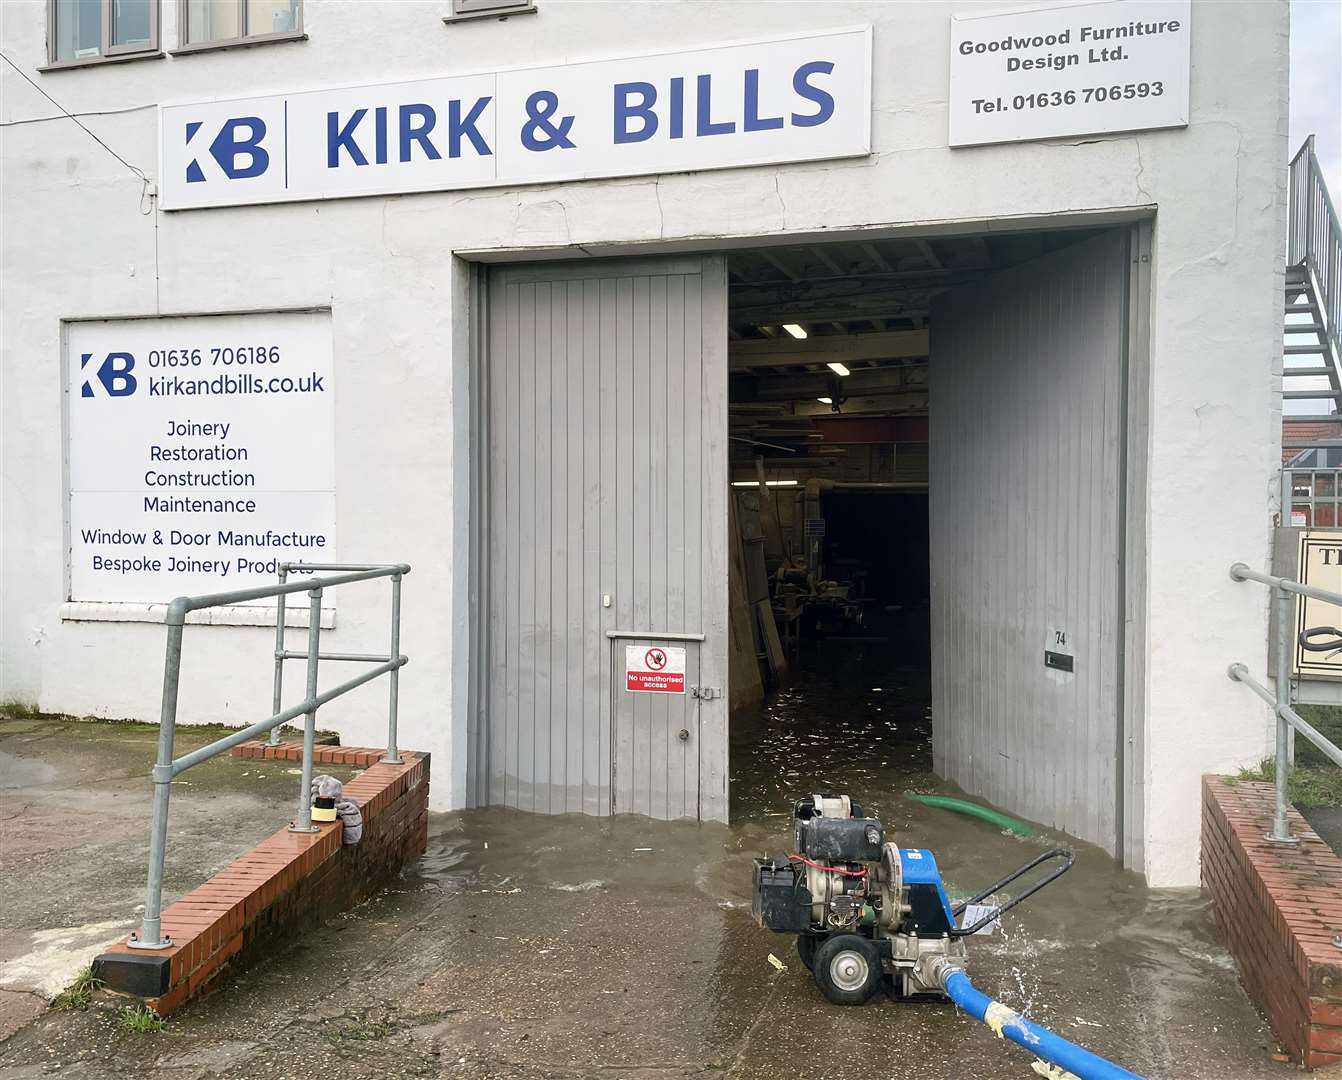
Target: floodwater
567 947
1124 970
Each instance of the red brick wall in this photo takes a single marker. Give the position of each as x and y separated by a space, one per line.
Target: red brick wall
286 883
1277 909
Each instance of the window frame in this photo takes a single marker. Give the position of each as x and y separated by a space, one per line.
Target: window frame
466 10
187 46
108 53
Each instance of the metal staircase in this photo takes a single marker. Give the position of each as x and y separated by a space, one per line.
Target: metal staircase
1313 301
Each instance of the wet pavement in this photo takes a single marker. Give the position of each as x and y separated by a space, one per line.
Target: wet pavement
534 947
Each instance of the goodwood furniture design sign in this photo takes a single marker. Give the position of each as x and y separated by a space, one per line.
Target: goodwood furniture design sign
1069 69
201 452
799 98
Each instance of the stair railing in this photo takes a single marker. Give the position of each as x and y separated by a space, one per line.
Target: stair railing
1284 592
1314 238
167 768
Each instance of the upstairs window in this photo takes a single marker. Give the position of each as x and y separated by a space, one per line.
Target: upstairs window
82 31
215 23
482 9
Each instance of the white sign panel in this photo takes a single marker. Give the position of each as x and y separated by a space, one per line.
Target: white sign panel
1321 566
201 452
1080 68
801 98
654 669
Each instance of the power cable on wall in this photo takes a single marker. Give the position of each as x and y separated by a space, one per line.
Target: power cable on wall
145 183
87 130
66 116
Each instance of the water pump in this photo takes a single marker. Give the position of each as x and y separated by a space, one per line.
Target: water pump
868 912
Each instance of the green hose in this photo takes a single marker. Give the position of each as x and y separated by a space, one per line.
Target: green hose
961 806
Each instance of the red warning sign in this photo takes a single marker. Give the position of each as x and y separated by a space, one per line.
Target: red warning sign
654 669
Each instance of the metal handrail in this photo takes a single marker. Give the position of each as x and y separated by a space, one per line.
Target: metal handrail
167 767
1314 238
1284 591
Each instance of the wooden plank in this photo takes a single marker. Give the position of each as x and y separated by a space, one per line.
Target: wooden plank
773 645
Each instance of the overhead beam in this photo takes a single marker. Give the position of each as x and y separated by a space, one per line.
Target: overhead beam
901 404
816 352
823 256
874 254
818 384
872 429
929 253
778 264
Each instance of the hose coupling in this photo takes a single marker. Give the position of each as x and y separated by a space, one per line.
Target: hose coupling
940 968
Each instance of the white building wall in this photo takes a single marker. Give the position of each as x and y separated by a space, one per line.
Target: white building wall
77 243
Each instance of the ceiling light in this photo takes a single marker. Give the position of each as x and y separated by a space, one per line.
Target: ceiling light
837 368
767 483
795 330
825 400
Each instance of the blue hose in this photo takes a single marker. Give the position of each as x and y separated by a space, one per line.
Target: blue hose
1039 1041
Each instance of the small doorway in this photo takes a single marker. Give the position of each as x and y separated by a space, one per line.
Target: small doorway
601 495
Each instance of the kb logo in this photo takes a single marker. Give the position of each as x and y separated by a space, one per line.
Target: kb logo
114 373
236 149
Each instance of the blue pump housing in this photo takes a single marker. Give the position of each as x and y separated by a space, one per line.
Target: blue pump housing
930 912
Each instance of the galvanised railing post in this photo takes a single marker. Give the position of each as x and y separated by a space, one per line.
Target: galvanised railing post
151 936
1281 829
304 822
393 756
277 697
1309 201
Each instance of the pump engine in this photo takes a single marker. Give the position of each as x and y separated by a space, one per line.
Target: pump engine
864 908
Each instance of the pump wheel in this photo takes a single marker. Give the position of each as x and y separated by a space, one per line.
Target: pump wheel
847 968
807 944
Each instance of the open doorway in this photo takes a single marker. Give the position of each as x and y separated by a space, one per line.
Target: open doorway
834 399
873 490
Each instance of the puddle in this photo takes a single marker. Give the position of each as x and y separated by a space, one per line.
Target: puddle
850 721
25 772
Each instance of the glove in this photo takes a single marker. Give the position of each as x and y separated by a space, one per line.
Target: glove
352 818
346 810
327 786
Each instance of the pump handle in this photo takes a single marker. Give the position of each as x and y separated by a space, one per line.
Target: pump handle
997 912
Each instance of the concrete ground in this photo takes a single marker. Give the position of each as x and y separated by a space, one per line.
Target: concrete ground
75 798
532 947
1327 822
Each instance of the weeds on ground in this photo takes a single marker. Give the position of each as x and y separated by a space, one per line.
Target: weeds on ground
1307 785
80 992
140 1019
358 1031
